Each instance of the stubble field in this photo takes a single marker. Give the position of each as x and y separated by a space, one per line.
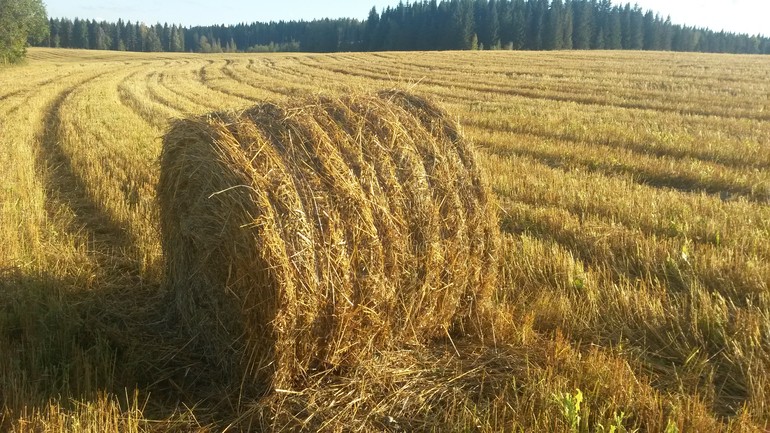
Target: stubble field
634 194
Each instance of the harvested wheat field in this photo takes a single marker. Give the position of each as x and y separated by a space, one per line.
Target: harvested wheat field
476 241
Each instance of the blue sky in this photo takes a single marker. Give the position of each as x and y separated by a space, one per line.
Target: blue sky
741 16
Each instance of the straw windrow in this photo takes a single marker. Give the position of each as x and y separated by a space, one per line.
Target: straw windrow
304 237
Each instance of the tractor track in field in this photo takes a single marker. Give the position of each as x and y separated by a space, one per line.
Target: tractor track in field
229 73
192 95
27 94
110 244
683 182
129 100
35 88
11 94
534 93
152 85
640 147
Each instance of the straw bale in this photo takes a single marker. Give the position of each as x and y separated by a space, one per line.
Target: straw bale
304 237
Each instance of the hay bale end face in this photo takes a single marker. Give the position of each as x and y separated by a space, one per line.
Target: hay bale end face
307 236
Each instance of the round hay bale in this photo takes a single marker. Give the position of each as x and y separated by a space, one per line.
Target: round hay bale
304 237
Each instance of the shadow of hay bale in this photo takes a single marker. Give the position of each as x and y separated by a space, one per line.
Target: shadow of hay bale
303 238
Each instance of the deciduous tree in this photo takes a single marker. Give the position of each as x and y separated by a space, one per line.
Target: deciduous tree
21 22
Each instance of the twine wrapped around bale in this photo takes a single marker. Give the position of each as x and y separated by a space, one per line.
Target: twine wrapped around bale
304 237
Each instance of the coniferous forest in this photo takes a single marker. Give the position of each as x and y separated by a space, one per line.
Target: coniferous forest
425 25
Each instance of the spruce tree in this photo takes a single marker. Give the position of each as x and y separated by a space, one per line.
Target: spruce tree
493 26
372 22
614 39
582 30
101 39
518 25
666 35
80 34
554 24
567 27
636 32
651 33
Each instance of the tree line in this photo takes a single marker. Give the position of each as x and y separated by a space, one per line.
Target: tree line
424 25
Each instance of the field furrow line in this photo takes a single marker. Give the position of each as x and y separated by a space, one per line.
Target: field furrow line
624 254
29 93
711 155
110 242
394 73
203 77
155 92
228 71
149 109
185 94
680 180
288 83
127 97
540 185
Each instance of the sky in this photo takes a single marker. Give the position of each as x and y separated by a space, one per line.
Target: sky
738 16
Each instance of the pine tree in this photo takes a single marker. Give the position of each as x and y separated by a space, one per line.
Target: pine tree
151 40
462 25
65 33
481 22
625 27
203 45
599 40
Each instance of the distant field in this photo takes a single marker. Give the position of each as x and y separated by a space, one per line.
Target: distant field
634 193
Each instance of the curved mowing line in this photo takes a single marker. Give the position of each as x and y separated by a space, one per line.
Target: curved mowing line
130 101
732 160
352 71
295 81
533 94
207 83
622 251
12 94
30 93
159 99
272 86
112 242
205 105
33 88
233 76
679 182
610 215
